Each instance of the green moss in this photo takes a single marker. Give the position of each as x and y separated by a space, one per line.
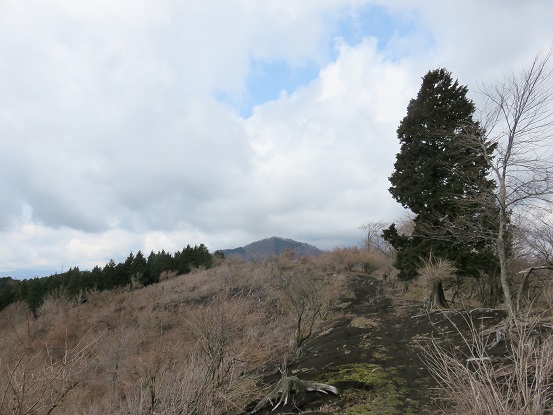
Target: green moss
369 389
381 354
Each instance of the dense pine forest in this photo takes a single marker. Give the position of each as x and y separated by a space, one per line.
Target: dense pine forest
136 270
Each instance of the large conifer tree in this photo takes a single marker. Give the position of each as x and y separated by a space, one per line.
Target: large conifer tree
443 180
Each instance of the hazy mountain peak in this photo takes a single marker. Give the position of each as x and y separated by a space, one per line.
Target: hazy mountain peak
272 246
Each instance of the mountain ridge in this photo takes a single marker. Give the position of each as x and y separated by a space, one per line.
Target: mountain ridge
269 247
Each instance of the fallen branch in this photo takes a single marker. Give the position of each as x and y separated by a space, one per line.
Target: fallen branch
291 385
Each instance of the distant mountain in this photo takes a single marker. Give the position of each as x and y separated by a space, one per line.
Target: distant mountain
271 247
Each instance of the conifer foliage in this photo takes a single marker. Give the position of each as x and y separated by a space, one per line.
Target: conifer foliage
441 178
136 269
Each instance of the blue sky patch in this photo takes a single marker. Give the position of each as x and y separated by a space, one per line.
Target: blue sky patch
267 79
369 21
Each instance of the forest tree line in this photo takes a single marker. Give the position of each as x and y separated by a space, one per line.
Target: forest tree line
136 270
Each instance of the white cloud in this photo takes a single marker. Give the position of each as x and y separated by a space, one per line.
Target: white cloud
324 150
112 137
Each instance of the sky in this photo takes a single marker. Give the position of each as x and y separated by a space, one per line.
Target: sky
131 125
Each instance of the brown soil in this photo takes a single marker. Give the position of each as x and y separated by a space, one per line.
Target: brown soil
382 337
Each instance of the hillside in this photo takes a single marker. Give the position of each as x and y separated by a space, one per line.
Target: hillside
215 341
269 247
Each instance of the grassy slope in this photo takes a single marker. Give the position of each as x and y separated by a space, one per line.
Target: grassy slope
214 341
194 343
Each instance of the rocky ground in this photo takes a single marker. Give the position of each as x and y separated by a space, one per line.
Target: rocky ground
372 355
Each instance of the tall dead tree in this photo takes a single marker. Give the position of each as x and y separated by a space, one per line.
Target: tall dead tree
518 120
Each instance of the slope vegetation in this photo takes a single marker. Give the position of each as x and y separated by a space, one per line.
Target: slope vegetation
216 341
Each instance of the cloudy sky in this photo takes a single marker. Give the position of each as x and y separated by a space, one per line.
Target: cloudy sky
131 125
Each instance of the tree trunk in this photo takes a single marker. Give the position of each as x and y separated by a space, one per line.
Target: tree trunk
437 296
502 249
526 281
494 294
523 286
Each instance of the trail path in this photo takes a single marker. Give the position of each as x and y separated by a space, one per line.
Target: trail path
371 355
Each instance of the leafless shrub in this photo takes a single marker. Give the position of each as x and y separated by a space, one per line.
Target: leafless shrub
186 388
351 259
18 326
310 299
38 382
167 275
118 344
190 344
474 382
279 264
216 325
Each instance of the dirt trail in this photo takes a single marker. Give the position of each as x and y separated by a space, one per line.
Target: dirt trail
370 354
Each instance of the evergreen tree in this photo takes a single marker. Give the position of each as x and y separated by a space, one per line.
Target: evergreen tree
108 276
139 268
190 258
95 278
7 291
75 282
127 265
121 276
202 257
183 260
35 293
441 178
157 263
135 266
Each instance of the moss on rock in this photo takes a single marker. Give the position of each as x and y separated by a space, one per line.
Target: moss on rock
369 389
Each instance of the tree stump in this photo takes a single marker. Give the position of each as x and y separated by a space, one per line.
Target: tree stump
288 386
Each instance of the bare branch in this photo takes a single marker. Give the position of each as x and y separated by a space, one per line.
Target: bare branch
518 119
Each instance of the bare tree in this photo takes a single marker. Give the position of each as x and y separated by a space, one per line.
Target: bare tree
373 237
539 240
38 380
538 244
518 120
310 303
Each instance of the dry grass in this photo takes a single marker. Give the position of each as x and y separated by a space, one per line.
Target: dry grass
354 259
436 270
475 382
191 344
